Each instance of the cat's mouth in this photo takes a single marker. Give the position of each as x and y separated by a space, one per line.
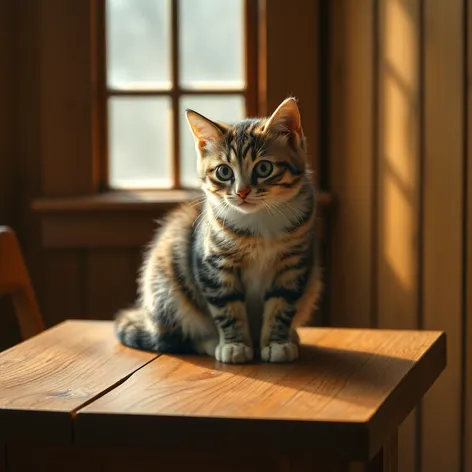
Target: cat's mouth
246 207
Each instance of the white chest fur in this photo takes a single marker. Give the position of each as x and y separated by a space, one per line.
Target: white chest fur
257 275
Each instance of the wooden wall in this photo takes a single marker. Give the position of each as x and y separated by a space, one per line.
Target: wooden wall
400 167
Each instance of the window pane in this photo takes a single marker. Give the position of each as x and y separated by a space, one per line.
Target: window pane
225 108
138 43
140 142
211 43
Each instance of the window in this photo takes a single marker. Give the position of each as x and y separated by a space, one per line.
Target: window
161 57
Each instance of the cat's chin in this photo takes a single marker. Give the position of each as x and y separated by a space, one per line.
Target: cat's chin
246 208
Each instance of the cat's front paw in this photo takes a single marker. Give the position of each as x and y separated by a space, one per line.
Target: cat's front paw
233 353
279 352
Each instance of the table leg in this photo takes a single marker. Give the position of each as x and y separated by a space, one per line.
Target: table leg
3 457
385 461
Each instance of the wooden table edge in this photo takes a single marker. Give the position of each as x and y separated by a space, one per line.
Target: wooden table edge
371 437
385 422
261 435
58 423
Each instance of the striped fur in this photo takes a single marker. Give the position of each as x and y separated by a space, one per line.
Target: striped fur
235 274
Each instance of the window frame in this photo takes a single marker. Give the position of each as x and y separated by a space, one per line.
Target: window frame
248 92
71 193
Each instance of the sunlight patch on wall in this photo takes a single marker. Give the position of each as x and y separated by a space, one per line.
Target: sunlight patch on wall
398 227
399 145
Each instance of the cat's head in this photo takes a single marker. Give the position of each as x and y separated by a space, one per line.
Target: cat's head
253 164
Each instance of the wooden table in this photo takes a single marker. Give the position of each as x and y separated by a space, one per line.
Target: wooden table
72 399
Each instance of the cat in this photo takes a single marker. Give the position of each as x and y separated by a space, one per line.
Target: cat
235 276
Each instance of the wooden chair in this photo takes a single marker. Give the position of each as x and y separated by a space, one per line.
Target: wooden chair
15 282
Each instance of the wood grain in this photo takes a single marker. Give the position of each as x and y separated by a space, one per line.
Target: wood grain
48 377
351 169
443 220
348 385
398 181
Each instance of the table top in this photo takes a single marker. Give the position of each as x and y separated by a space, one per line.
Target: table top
350 390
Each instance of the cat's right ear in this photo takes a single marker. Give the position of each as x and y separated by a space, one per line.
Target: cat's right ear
204 130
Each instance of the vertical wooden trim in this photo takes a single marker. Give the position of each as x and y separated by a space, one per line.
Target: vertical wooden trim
421 234
398 178
374 209
251 51
262 59
467 322
99 44
26 120
67 97
351 160
175 55
443 220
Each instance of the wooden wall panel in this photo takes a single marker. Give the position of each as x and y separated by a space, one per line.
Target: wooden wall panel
351 159
412 237
9 333
289 68
442 242
110 280
67 98
7 94
63 286
27 155
398 166
468 261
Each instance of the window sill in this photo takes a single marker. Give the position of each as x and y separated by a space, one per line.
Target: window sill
118 219
115 200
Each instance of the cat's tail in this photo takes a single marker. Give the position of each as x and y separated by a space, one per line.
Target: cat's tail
134 328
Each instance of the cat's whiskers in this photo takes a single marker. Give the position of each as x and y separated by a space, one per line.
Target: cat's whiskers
295 212
197 201
200 218
267 207
276 209
299 215
294 209
227 208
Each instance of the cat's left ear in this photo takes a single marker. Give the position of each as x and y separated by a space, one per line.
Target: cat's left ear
204 130
286 119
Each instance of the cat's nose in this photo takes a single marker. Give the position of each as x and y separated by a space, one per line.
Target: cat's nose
243 192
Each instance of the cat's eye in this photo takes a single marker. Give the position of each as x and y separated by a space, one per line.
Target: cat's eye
224 172
263 169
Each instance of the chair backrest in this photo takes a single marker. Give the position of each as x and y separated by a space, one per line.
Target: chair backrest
15 282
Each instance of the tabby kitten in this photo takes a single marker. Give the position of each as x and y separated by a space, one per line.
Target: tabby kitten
237 274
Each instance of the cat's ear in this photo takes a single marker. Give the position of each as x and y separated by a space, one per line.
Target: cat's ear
203 129
286 119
